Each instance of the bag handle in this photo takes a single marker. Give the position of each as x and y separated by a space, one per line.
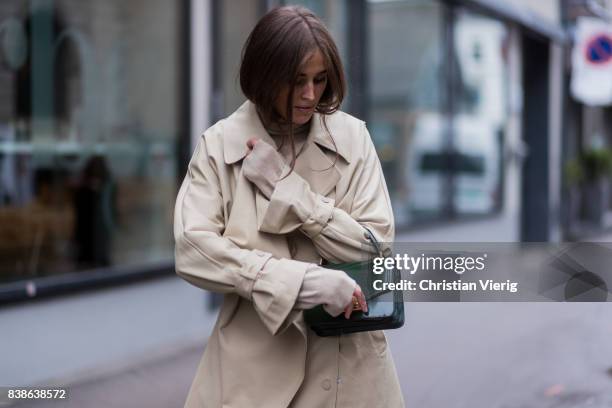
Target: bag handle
389 275
370 236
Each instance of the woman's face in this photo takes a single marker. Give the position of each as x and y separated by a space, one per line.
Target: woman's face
311 82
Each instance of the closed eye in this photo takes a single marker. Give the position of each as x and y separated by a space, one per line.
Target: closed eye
303 81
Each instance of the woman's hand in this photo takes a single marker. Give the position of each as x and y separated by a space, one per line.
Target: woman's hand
263 166
331 288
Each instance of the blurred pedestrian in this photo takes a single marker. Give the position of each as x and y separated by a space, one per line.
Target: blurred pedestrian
95 214
284 182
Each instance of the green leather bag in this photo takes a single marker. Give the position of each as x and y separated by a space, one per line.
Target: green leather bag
385 308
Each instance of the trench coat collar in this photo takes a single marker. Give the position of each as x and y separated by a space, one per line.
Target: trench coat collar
244 124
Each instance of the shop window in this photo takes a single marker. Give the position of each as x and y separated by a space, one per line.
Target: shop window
480 116
89 124
405 117
437 107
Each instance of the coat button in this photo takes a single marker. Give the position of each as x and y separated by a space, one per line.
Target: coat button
326 384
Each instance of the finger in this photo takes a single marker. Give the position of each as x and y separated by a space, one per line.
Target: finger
347 311
361 298
251 142
356 303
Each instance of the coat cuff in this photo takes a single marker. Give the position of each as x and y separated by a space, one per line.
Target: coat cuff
294 205
254 263
275 292
320 216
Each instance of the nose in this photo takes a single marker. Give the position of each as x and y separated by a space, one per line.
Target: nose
308 92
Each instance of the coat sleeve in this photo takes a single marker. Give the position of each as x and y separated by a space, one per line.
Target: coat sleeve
210 261
338 235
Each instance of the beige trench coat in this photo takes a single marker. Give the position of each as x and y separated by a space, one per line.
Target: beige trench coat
260 353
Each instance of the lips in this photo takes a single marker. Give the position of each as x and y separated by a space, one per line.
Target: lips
304 108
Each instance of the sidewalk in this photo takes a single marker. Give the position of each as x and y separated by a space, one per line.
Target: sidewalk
160 383
472 355
141 341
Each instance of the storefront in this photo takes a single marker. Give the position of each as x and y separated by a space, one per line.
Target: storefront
92 96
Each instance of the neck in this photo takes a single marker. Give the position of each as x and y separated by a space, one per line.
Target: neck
279 130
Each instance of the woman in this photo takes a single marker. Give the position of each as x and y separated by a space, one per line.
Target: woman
283 183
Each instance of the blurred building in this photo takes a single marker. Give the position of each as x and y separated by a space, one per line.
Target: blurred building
587 136
101 103
463 100
92 129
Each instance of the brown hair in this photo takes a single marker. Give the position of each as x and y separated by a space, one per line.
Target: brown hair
271 59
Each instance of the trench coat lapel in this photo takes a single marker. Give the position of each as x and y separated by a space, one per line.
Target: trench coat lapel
241 126
316 168
312 164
